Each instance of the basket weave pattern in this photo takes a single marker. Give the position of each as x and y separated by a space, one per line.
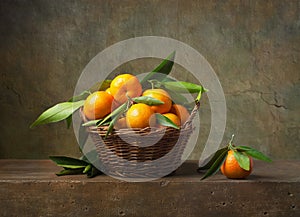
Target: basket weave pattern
128 145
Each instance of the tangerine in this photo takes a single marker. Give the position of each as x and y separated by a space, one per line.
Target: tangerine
121 123
140 115
108 91
173 118
125 85
161 95
181 112
231 168
97 105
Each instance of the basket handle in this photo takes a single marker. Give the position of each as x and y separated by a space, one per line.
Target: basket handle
193 113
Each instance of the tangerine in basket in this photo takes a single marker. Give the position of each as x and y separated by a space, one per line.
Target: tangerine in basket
231 168
181 112
108 91
162 95
125 85
121 123
97 105
140 115
173 118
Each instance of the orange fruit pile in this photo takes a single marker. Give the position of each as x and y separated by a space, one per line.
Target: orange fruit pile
139 115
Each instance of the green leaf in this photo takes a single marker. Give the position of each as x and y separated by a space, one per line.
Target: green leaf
163 69
87 168
92 123
112 123
212 158
68 162
164 121
177 97
74 166
199 95
69 121
242 159
101 85
57 113
216 165
81 96
183 87
70 172
147 100
253 153
93 172
168 78
119 110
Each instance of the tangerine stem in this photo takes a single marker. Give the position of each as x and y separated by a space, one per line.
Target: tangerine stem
230 143
153 82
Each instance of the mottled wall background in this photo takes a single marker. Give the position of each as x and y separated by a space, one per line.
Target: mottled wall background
254 47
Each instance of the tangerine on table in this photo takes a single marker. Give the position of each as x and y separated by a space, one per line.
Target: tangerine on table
173 118
140 115
231 168
162 95
97 105
181 112
125 85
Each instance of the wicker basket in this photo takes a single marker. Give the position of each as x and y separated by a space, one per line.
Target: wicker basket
123 153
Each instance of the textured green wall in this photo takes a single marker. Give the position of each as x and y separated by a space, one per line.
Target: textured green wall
254 47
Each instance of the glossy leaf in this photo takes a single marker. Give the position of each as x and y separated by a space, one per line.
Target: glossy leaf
199 96
168 78
101 85
164 121
92 123
81 96
254 153
57 113
70 172
87 168
119 110
183 87
216 165
211 159
68 162
162 70
177 97
93 172
242 159
69 121
147 100
112 123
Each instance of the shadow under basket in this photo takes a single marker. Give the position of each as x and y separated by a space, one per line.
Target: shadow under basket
141 153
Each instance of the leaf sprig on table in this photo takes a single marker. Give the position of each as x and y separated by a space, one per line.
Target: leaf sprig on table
241 154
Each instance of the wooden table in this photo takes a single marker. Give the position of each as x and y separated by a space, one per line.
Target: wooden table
31 188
